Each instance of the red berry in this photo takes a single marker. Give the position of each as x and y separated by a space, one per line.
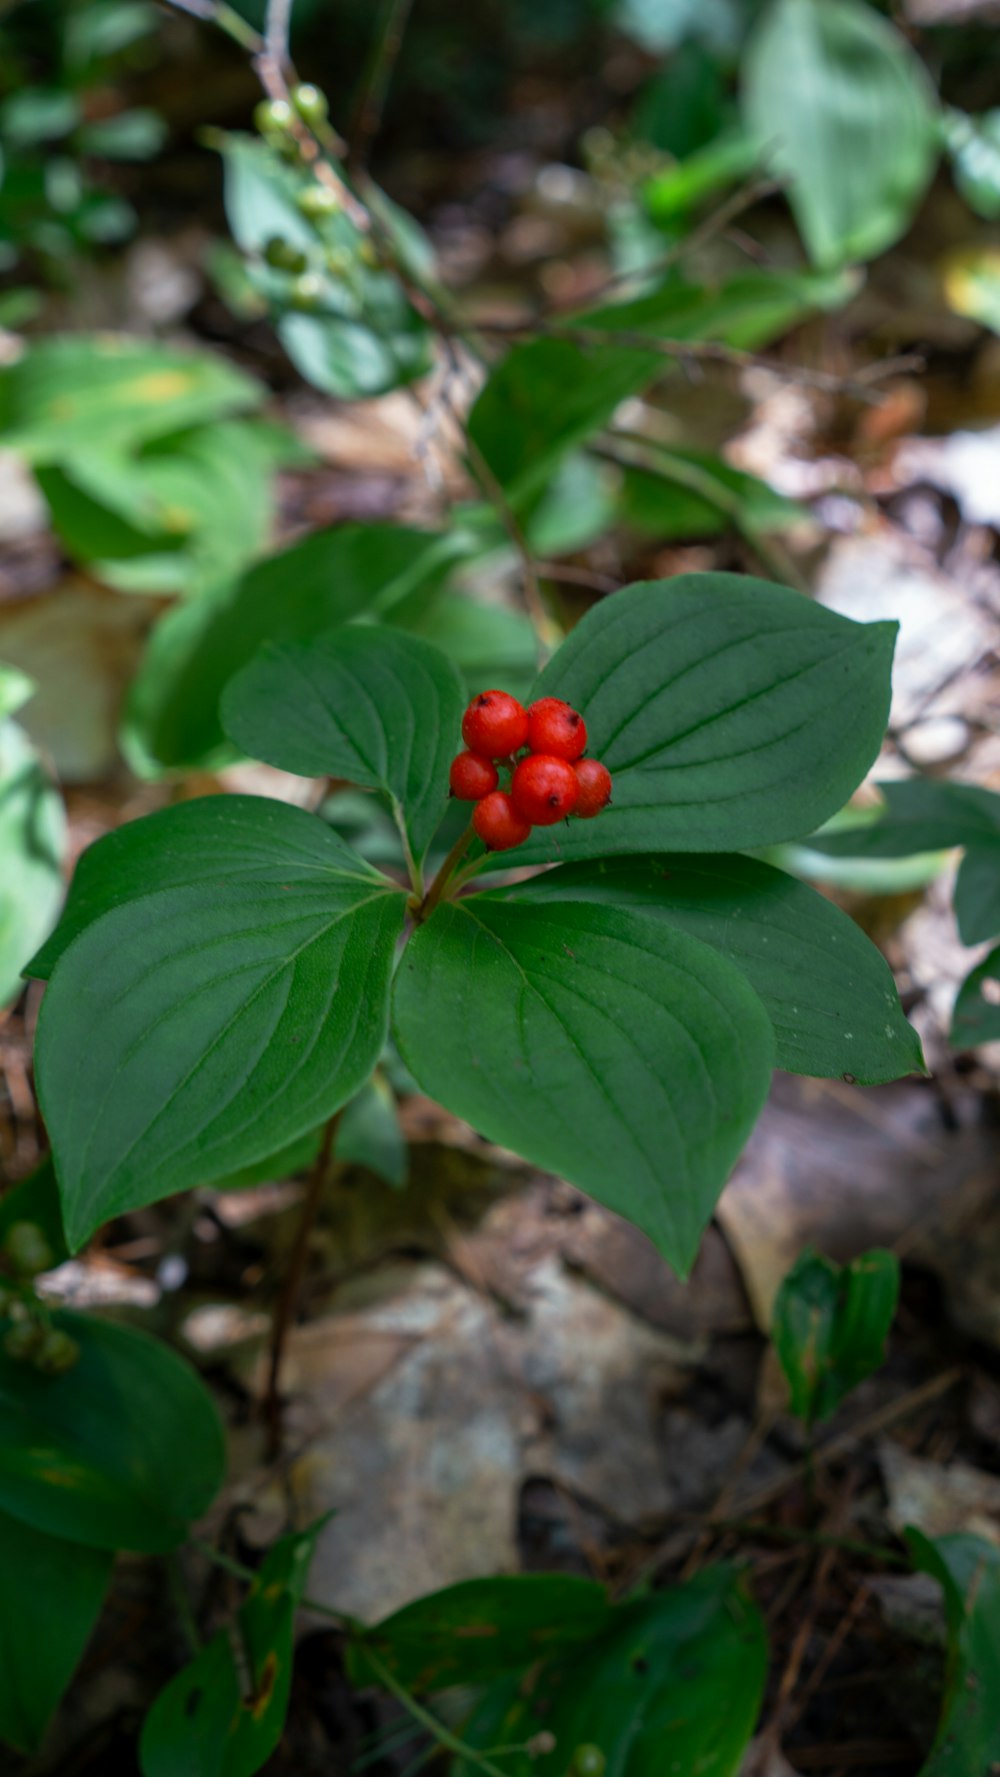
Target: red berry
557 728
495 725
498 822
594 780
545 789
472 777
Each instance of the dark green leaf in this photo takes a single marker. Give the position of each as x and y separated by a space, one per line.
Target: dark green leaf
489 644
32 840
211 841
976 1018
50 1599
731 713
172 718
828 992
830 1325
368 704
65 393
36 1199
676 1681
231 1024
473 1632
921 815
369 1134
551 394
968 1570
977 894
122 1452
138 134
599 1043
695 494
204 1724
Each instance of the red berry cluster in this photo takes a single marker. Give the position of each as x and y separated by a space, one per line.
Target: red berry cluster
549 782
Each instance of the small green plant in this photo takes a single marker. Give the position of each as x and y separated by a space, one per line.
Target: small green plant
830 1325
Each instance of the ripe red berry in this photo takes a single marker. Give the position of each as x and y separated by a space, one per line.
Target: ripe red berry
544 789
594 780
557 728
472 777
495 725
498 822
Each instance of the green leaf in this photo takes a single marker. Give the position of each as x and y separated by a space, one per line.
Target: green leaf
172 718
731 713
968 1570
367 337
473 1632
676 1680
829 993
973 145
208 841
202 1724
551 394
367 704
596 1042
138 134
676 190
369 1134
842 107
32 841
692 493
36 1199
976 1017
64 393
232 1022
921 815
977 893
50 1599
830 1325
123 1451
16 688
489 644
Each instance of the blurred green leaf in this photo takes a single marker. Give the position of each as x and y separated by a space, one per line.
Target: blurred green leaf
50 1599
676 1679
976 1017
132 135
38 114
973 145
121 1452
830 1324
841 106
369 1134
690 493
968 1570
36 1199
32 841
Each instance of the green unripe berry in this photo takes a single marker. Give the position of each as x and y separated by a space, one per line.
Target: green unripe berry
56 1353
283 256
317 202
23 1339
27 1250
273 117
310 104
306 293
588 1761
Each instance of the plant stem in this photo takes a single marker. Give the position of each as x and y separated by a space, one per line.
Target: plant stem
444 875
288 1298
442 1735
376 78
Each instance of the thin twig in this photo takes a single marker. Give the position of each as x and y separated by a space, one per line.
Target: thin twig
292 1283
376 78
225 18
425 908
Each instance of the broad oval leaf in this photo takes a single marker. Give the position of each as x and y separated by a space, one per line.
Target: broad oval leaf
41 1642
209 841
829 993
976 1017
32 840
732 713
376 707
472 1632
172 716
967 1568
675 1684
230 1024
600 1044
830 1324
122 1452
841 106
